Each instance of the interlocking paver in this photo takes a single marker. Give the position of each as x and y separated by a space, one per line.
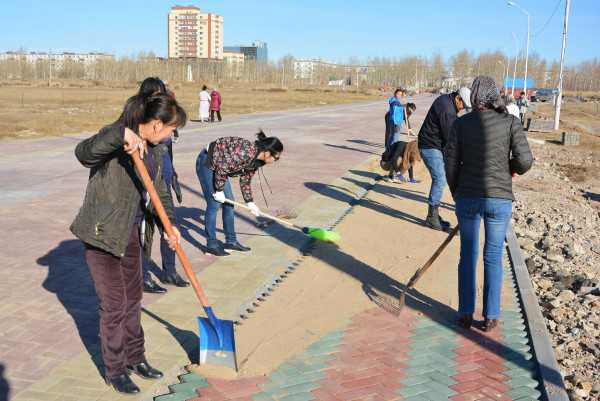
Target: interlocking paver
380 357
45 277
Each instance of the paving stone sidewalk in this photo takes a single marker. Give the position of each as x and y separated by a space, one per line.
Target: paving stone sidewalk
49 316
378 356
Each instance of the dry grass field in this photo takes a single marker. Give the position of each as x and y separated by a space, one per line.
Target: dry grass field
27 110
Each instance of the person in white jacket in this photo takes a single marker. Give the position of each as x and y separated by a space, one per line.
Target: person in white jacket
204 109
511 106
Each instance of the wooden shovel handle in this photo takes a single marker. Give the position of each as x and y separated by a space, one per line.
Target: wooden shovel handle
162 215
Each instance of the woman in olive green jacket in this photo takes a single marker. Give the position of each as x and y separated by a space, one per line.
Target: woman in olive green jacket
108 223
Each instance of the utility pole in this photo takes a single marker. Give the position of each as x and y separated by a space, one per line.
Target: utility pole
513 4
562 62
516 61
527 54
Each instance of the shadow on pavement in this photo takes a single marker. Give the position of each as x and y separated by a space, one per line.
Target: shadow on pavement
396 191
4 386
344 147
343 195
363 142
188 340
70 280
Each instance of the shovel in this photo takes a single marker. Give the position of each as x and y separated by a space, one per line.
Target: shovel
413 280
217 341
318 233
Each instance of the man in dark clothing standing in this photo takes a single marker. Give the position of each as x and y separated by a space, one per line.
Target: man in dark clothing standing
433 137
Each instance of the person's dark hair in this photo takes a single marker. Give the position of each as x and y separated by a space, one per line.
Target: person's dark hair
522 93
152 85
204 87
141 109
498 105
271 144
400 89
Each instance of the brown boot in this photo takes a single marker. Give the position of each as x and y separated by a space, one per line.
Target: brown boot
490 324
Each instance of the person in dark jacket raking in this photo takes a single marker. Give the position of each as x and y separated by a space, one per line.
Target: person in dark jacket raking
109 221
485 148
231 157
432 140
169 275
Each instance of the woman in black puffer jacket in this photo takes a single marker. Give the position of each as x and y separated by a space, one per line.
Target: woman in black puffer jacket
486 148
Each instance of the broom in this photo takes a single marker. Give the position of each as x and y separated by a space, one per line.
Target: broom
318 233
413 280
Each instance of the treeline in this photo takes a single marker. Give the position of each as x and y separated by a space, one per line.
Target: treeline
414 72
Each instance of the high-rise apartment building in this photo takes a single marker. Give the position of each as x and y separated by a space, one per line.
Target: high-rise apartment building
194 34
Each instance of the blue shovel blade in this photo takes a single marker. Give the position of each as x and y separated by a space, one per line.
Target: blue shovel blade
217 342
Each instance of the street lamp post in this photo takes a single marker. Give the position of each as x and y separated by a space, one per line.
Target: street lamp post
516 61
513 4
562 61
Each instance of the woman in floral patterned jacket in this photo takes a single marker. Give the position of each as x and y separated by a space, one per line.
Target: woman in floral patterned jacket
231 157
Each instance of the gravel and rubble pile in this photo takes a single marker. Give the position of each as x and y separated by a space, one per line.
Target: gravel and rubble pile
557 221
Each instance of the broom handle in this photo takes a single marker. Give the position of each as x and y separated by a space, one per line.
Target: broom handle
427 265
160 210
268 216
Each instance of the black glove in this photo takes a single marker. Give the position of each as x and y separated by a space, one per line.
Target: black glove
176 188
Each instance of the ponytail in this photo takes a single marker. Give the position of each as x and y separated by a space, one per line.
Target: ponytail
270 144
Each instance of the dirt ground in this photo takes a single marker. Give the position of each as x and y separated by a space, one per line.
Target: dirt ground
557 217
30 111
583 117
383 243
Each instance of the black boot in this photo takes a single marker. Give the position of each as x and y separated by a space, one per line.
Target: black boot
174 279
433 219
236 246
445 224
123 384
217 250
152 287
145 371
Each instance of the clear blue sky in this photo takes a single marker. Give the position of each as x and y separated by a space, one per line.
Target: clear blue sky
330 29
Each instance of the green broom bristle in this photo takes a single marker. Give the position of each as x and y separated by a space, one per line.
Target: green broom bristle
322 234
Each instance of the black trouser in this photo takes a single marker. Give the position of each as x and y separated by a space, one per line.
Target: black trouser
212 115
118 283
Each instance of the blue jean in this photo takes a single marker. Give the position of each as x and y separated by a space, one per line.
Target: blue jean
394 136
206 177
496 215
434 161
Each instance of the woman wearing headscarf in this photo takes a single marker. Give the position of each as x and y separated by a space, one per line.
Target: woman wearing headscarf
485 149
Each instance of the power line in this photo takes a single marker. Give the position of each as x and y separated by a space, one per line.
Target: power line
549 19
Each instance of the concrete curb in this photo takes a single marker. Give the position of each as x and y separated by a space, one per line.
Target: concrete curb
553 386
